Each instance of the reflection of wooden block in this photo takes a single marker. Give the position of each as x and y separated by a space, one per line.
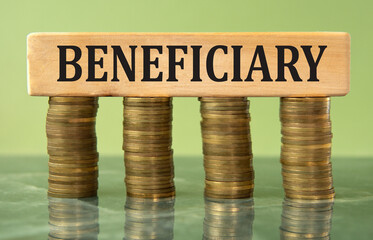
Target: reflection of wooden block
188 64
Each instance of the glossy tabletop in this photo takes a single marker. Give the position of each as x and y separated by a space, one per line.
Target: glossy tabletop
27 213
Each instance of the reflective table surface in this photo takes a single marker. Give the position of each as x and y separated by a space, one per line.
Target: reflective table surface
27 213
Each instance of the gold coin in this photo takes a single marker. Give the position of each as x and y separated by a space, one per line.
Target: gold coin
92 193
151 195
292 235
73 171
146 149
308 168
305 99
74 162
151 179
304 163
231 169
287 151
315 192
149 160
73 190
222 99
309 147
73 99
149 154
218 121
144 184
227 152
310 197
59 178
73 106
301 142
304 175
306 137
141 189
307 187
169 174
150 140
228 104
77 165
231 164
228 196
147 99
228 184
154 173
77 157
206 133
230 158
225 126
56 119
72 185
148 167
224 117
231 111
72 141
224 177
305 126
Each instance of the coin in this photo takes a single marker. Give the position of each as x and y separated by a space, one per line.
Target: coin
72 147
306 148
147 139
227 151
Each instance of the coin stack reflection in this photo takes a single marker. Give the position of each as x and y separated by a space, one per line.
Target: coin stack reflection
227 147
149 218
306 219
72 147
228 219
306 148
147 139
73 218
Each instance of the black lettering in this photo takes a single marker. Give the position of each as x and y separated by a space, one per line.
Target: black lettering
92 62
210 63
290 65
172 61
259 52
64 62
148 62
196 64
118 54
236 64
312 63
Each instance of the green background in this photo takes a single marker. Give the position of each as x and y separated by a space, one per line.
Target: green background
22 118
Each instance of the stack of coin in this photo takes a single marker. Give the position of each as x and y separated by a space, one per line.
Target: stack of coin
228 219
227 147
147 139
72 149
306 148
306 219
149 218
73 218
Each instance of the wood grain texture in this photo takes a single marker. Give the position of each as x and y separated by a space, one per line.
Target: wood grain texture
333 70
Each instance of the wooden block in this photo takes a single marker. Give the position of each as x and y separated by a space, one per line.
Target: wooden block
189 64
